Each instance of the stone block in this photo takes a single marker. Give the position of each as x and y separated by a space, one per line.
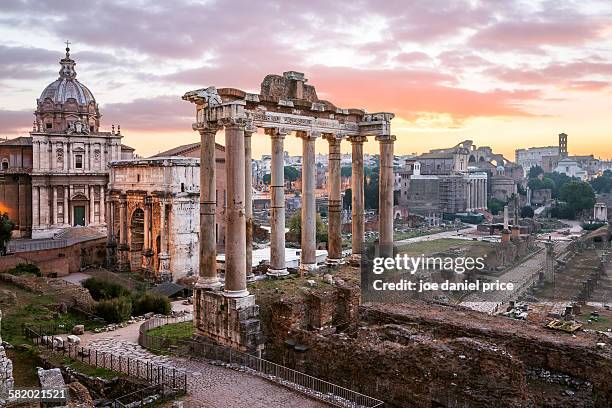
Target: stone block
78 330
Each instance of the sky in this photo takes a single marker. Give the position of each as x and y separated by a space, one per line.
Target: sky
505 74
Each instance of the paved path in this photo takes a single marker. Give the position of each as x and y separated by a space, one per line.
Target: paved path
208 385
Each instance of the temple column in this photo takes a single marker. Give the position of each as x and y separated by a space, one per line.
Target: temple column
54 204
486 194
208 278
235 220
102 205
334 228
164 258
385 195
277 203
147 253
44 206
357 202
91 205
123 248
248 199
66 207
35 207
309 211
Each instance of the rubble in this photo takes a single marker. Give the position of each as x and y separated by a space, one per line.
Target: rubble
6 371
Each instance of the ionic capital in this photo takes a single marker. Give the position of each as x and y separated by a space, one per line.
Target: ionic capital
207 128
275 132
358 139
386 138
308 135
232 122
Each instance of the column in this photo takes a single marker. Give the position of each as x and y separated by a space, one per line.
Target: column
66 210
55 205
248 199
235 219
53 162
44 206
162 256
277 203
91 205
385 195
334 228
35 207
357 202
208 278
35 155
110 233
123 221
67 156
86 158
147 225
309 209
102 205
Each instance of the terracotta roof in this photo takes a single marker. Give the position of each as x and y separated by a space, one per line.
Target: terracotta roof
180 150
126 147
18 141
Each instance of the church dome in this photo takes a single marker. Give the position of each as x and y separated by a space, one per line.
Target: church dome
67 86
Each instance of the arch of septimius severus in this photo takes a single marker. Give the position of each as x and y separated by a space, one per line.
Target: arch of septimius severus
285 105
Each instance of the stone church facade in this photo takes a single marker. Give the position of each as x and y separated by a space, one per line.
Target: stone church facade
65 160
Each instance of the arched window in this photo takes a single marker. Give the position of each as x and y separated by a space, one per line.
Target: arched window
5 165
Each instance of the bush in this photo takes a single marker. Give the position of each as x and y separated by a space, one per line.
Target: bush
115 310
101 289
150 302
24 268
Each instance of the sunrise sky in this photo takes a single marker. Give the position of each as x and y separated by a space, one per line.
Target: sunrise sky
507 74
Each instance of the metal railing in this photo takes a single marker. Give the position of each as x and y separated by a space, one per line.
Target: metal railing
163 381
311 386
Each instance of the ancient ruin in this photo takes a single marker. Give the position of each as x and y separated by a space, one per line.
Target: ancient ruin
284 105
6 370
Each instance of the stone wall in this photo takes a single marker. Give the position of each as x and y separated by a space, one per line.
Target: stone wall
59 261
424 355
6 370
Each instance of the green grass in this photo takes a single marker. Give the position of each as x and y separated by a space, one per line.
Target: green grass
81 367
440 245
176 331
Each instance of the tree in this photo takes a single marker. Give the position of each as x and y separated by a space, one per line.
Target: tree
527 212
603 183
295 228
347 199
578 196
495 206
6 230
535 171
291 174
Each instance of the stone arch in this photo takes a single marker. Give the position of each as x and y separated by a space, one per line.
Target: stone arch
472 159
136 238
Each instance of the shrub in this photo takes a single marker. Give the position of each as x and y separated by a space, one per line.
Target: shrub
151 302
101 289
115 310
24 268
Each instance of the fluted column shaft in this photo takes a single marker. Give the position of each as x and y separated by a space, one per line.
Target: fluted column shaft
277 203
147 226
35 206
123 222
334 228
55 205
208 278
309 210
162 228
91 204
357 202
66 207
235 220
385 194
102 205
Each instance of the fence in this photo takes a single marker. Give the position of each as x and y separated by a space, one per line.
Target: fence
163 382
304 383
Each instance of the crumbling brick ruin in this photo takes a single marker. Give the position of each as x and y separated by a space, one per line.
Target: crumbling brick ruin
427 355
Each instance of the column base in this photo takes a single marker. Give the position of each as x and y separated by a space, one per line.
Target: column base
208 283
334 261
229 321
307 267
277 272
236 293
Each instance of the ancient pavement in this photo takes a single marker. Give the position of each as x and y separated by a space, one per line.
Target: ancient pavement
208 385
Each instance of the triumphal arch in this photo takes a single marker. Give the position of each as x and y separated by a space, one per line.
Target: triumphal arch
286 105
